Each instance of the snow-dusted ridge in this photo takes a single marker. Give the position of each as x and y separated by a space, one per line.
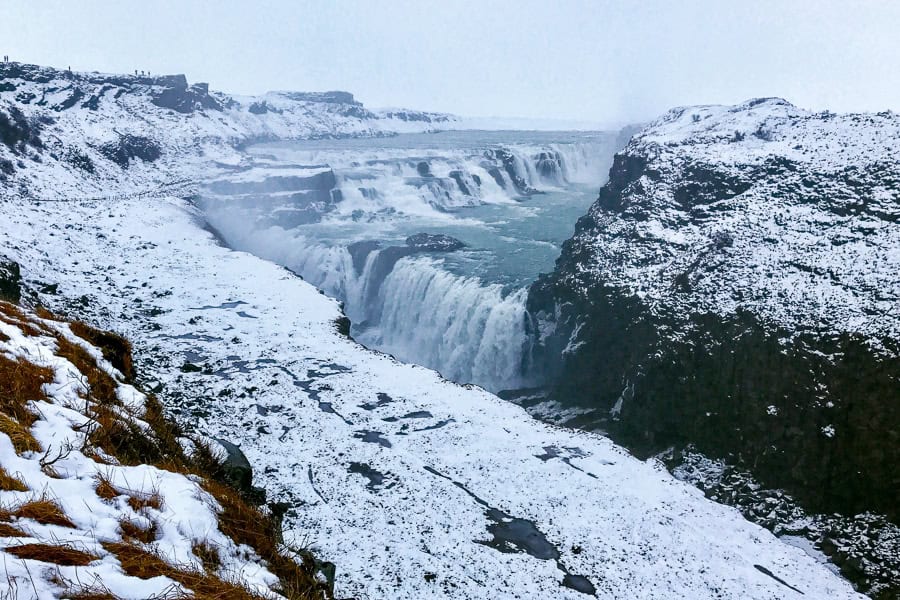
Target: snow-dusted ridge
79 120
414 486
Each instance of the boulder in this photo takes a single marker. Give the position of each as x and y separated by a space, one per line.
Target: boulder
238 472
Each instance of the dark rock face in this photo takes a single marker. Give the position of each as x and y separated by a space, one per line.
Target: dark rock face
550 167
691 307
424 169
177 96
325 97
130 147
262 107
864 546
75 97
414 115
79 159
434 242
16 131
237 472
10 280
359 252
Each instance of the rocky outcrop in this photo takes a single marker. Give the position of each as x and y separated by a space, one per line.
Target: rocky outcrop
195 129
178 96
735 286
434 242
10 280
130 147
416 115
17 131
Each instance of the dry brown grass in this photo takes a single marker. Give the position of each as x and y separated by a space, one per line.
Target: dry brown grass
44 313
19 434
7 530
66 556
21 381
105 488
138 532
120 437
102 385
11 483
139 501
116 349
3 337
77 593
12 314
208 555
136 561
247 524
111 431
43 510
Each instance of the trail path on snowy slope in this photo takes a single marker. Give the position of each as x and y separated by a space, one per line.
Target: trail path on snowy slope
415 487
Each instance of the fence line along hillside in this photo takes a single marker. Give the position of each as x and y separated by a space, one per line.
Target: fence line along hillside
182 188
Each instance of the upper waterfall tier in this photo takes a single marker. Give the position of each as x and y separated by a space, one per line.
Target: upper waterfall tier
342 214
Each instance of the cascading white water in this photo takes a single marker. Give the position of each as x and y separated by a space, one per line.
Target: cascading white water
468 331
462 314
457 325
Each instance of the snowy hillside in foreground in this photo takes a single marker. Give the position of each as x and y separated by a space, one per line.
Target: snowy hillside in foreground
416 487
91 134
80 515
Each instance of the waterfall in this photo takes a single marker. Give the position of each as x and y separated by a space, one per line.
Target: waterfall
327 211
469 331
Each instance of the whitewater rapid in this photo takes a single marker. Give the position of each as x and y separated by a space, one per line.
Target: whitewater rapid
338 212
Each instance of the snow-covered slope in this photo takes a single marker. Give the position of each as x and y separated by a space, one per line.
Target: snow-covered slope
416 487
91 134
80 516
736 286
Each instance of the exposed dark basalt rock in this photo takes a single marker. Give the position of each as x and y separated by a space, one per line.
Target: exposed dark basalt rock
130 147
16 131
263 107
690 308
414 115
864 546
324 97
551 167
73 99
76 157
10 280
181 98
359 252
434 242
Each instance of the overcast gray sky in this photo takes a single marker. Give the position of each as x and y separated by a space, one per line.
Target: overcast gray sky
601 60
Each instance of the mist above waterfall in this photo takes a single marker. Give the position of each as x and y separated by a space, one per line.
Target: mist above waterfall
341 212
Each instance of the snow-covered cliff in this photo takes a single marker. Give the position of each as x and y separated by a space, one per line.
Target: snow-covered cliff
736 286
